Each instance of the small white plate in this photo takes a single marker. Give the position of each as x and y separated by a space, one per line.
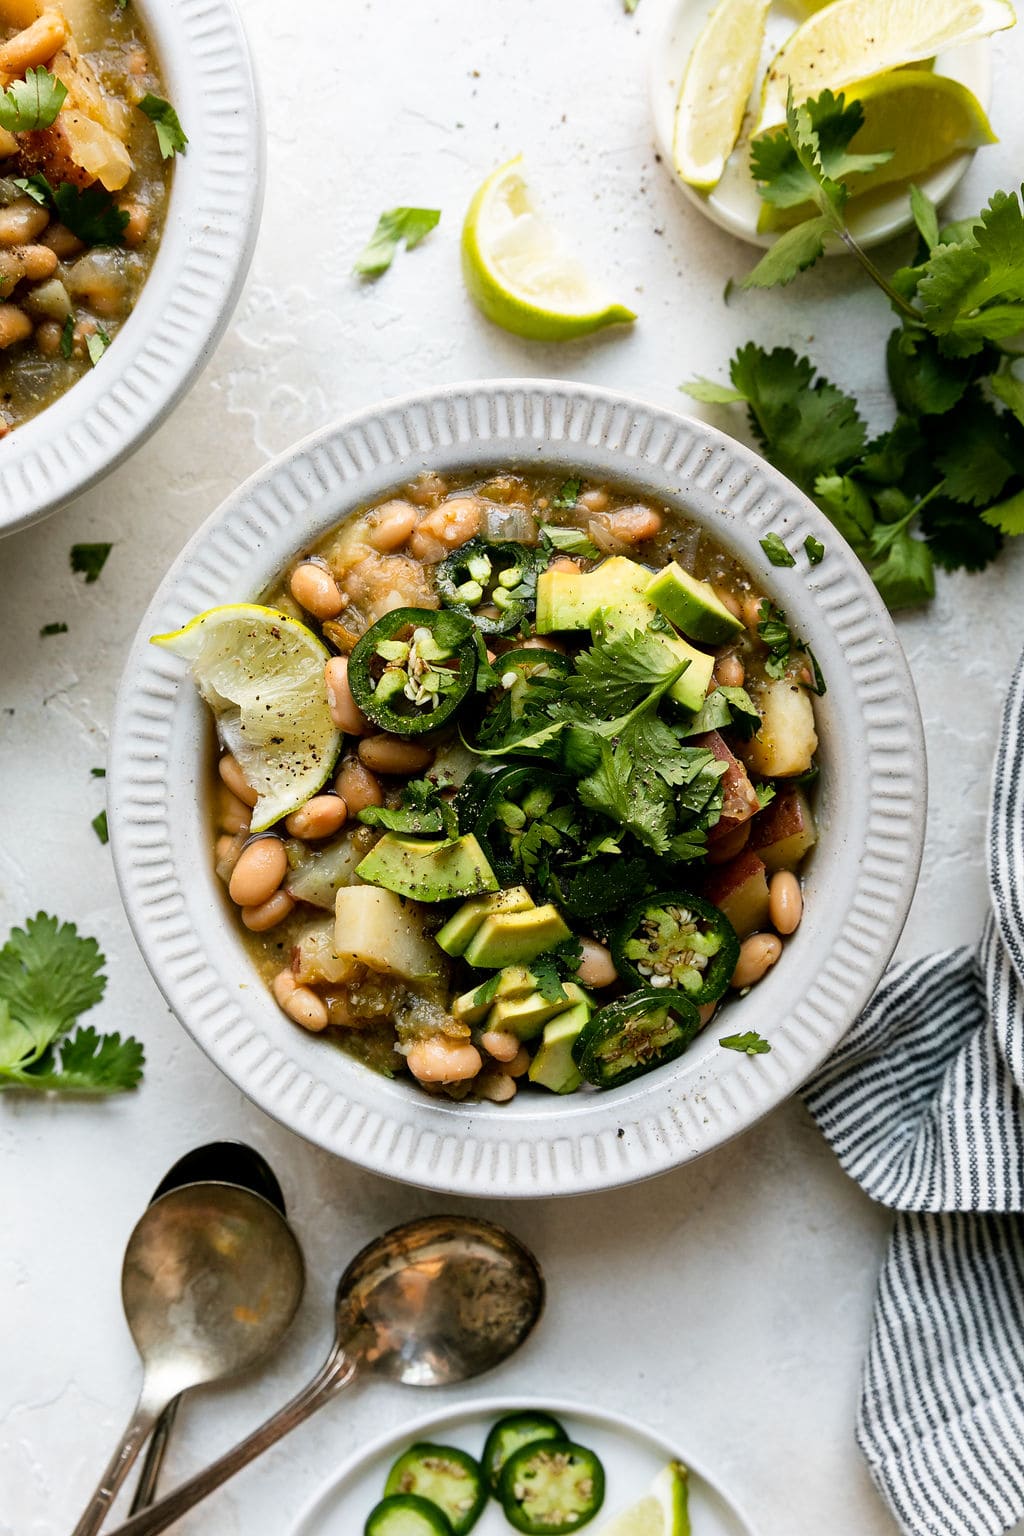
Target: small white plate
734 203
631 1455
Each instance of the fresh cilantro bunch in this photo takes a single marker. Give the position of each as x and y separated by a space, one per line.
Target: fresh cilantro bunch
945 482
48 976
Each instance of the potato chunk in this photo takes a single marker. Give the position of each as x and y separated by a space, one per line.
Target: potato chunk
787 740
381 931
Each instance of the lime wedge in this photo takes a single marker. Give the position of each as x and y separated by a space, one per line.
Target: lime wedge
716 88
518 271
262 674
852 39
924 117
663 1510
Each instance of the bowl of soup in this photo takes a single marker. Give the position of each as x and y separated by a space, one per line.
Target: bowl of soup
551 798
130 191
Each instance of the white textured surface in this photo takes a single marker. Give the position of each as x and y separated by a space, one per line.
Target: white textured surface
731 1298
857 892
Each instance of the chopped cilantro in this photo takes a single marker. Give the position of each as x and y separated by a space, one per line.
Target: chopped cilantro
170 136
48 976
423 813
566 497
97 344
776 551
398 224
765 794
815 550
97 773
67 337
90 213
53 629
775 633
751 1044
88 560
488 992
99 826
33 103
570 541
36 187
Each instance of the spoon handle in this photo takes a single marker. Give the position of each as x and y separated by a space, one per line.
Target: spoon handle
116 1470
336 1372
156 1450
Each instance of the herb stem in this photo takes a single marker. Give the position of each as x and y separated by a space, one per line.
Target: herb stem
896 299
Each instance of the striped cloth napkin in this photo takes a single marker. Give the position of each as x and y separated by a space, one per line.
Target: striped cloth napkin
924 1106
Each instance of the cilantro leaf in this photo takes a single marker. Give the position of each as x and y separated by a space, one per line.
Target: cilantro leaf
805 425
776 551
711 393
394 226
846 502
570 541
90 1063
488 992
170 135
814 549
88 560
1007 516
67 337
973 290
615 673
923 379
751 1043
423 813
36 187
775 633
33 103
48 976
906 576
90 213
554 967
976 457
957 536
792 253
99 826
52 629
568 494
925 217
97 344
1010 390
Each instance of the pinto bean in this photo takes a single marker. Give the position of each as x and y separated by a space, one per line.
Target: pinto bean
21 221
357 786
315 589
269 913
320 817
230 770
261 867
757 956
345 712
596 968
388 526
441 1059
785 902
393 755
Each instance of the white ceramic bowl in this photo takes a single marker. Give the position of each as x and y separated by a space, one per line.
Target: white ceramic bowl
212 219
860 880
734 203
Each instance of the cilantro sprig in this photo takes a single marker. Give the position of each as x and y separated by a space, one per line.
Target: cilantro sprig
944 484
49 975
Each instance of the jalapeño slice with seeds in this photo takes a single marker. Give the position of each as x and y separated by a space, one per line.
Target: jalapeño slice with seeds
551 1485
526 815
490 576
634 1035
677 941
447 1477
511 1433
412 669
405 1514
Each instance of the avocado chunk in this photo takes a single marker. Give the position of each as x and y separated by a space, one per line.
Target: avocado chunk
378 929
552 1066
514 981
615 595
573 599
693 606
463 923
690 689
515 938
428 871
524 1016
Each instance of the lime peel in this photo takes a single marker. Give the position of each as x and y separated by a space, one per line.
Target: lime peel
262 674
663 1510
517 269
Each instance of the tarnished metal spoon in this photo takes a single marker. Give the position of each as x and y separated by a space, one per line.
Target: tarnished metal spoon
429 1304
218 1162
212 1277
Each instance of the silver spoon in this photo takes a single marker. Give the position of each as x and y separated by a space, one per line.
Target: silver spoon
429 1304
218 1162
212 1277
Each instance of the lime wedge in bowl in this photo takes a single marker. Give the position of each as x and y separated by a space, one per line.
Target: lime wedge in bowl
663 1510
923 117
518 272
853 39
716 88
262 674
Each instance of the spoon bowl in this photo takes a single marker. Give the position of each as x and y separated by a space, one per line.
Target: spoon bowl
431 1303
438 1301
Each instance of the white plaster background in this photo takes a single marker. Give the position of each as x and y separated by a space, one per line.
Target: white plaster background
729 1302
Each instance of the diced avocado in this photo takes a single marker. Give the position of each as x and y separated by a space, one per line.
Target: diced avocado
523 1016
614 593
571 599
689 690
380 930
428 871
514 981
552 1066
462 924
693 606
515 938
